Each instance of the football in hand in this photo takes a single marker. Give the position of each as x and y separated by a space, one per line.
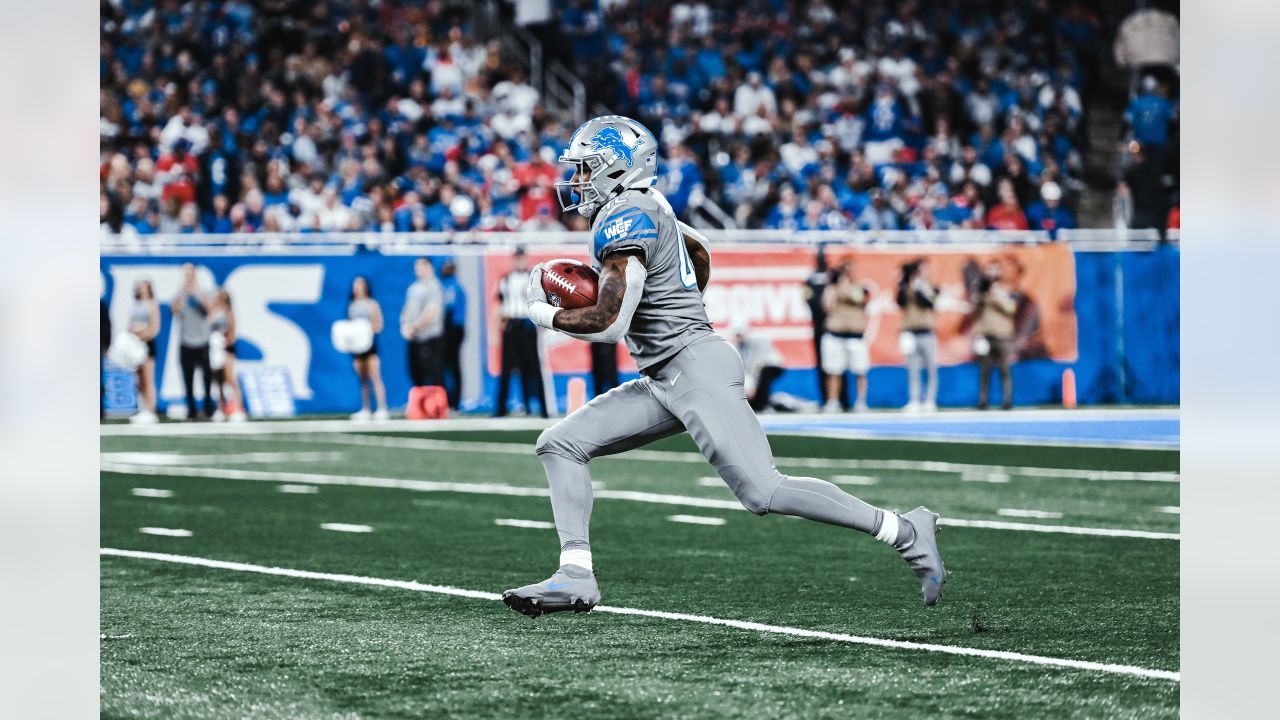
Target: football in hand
569 284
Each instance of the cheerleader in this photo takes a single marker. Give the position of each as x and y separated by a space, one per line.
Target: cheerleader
362 306
144 322
222 321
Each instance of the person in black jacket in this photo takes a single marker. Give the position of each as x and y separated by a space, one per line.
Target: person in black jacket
104 340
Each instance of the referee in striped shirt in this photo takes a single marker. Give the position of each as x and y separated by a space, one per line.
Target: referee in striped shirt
519 337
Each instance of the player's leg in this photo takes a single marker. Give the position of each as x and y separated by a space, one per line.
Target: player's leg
624 418
707 398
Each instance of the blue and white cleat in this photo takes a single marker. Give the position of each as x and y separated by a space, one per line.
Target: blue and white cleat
573 587
922 553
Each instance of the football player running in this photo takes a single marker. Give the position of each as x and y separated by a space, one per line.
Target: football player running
653 270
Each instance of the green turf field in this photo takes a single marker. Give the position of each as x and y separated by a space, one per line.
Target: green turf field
184 641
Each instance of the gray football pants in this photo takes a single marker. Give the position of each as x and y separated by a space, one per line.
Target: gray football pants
700 390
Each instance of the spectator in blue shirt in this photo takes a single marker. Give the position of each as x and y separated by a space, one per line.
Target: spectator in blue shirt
879 215
680 179
786 214
1149 115
455 330
219 220
1049 213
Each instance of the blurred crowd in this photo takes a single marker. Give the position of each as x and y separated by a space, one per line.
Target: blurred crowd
283 115
873 115
328 116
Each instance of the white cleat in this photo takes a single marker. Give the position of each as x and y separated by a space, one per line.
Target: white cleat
361 416
572 587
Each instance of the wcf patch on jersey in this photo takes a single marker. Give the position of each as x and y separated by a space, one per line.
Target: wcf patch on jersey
617 229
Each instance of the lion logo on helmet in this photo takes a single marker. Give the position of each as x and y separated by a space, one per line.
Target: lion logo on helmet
610 138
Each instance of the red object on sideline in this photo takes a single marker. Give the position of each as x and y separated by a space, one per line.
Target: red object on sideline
1068 388
427 402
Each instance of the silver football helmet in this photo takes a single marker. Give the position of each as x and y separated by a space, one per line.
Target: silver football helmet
609 154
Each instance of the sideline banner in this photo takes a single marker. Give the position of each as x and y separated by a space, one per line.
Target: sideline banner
285 304
763 287
284 308
1043 274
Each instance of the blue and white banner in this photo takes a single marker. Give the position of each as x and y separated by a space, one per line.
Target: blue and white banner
286 301
284 307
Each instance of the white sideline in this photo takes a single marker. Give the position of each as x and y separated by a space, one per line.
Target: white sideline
151 492
531 524
346 527
1025 513
513 490
696 519
176 458
1114 669
165 532
391 441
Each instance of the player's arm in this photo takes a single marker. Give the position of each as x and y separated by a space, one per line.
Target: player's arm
621 284
699 249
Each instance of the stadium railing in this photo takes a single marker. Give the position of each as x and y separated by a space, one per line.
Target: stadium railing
349 242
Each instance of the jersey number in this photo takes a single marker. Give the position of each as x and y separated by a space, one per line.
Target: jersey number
688 277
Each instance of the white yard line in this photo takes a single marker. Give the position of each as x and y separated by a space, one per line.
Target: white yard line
513 490
346 527
531 524
165 532
696 519
1037 514
1063 529
1108 668
711 481
151 493
854 480
1171 509
388 441
298 489
999 478
169 459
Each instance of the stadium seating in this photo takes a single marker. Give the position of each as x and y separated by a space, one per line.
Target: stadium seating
398 116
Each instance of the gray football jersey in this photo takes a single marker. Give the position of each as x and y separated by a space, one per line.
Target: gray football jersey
671 314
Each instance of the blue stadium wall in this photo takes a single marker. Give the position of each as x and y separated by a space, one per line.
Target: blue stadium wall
1128 354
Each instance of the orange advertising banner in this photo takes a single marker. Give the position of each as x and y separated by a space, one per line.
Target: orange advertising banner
763 287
